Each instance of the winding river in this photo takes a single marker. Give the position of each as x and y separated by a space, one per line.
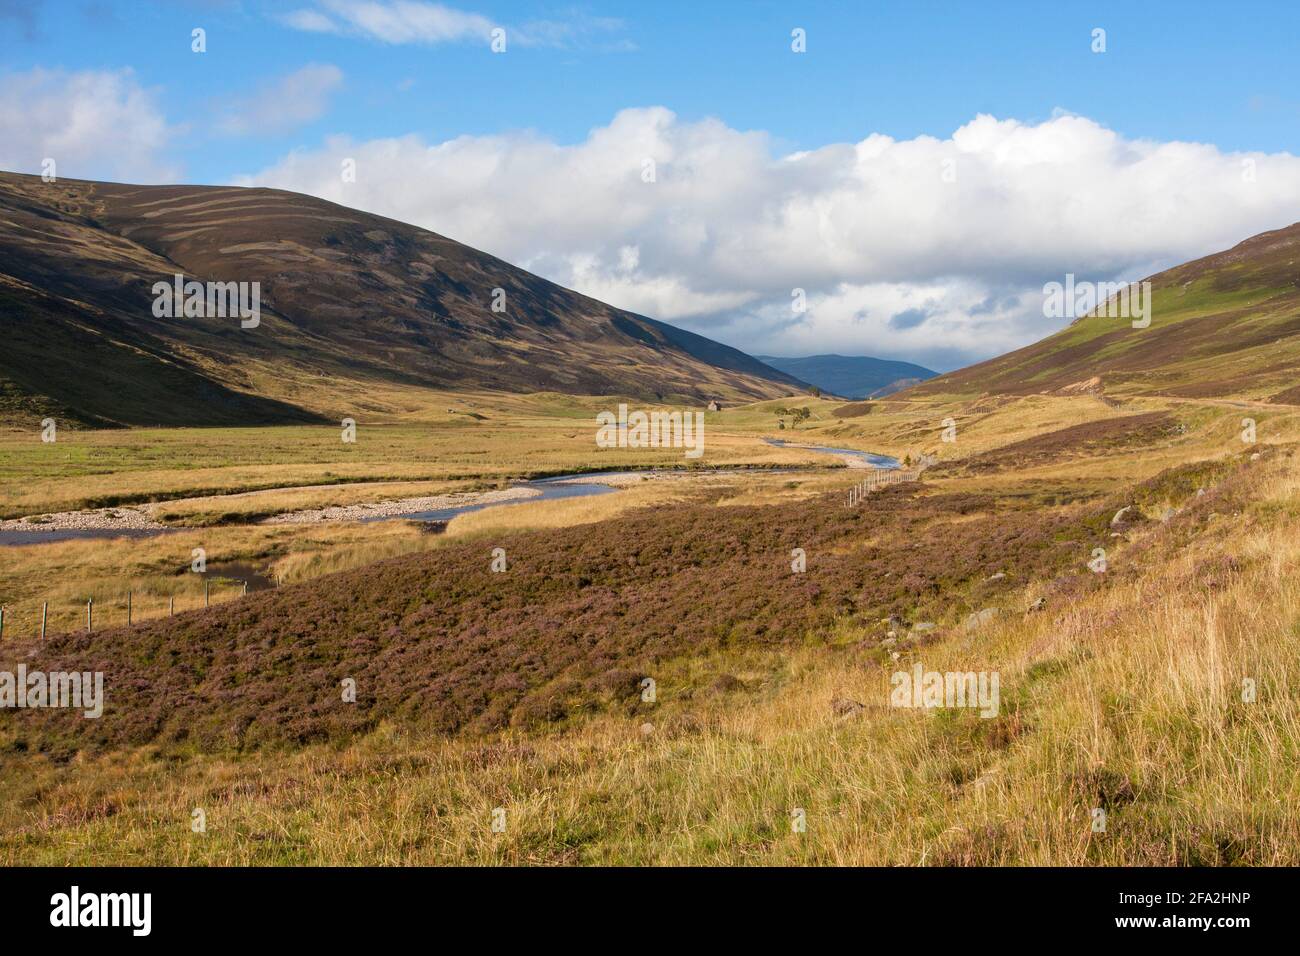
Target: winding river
550 489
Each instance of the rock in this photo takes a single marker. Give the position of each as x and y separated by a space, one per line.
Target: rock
1119 515
1255 456
923 627
1001 575
889 641
892 635
647 730
1038 605
981 617
1200 492
1167 514
845 707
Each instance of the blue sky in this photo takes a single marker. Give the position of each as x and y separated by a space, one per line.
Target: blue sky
1189 71
266 91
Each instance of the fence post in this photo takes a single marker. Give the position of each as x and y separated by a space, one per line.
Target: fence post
245 591
45 607
171 606
205 593
2 622
90 615
128 608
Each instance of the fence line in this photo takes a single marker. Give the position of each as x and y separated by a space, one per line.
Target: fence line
100 612
879 478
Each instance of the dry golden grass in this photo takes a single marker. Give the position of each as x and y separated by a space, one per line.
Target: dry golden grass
511 438
564 512
1129 700
157 570
755 488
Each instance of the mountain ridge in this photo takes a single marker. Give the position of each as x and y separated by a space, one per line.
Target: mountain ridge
851 376
356 309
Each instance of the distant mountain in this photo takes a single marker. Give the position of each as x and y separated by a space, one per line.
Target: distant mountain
851 376
1225 326
358 314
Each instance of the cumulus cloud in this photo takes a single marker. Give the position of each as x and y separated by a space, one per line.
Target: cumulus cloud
286 103
95 124
930 249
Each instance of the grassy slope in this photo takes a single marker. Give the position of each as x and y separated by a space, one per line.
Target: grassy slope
1222 327
360 315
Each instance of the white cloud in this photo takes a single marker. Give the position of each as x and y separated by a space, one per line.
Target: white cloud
286 103
95 124
871 230
310 21
417 22
399 21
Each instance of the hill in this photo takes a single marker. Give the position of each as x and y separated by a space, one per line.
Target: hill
851 376
1221 327
358 313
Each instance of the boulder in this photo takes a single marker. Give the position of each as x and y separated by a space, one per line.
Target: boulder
981 617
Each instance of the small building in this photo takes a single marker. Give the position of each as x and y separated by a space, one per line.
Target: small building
715 406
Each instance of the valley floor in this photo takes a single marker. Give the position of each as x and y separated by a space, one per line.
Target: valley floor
1149 712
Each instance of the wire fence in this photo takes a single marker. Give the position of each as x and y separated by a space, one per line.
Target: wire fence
878 479
42 619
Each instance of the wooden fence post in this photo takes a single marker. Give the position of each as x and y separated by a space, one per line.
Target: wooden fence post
90 615
45 608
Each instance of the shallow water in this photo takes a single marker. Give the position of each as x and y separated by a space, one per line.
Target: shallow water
550 488
71 534
553 488
257 576
879 461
